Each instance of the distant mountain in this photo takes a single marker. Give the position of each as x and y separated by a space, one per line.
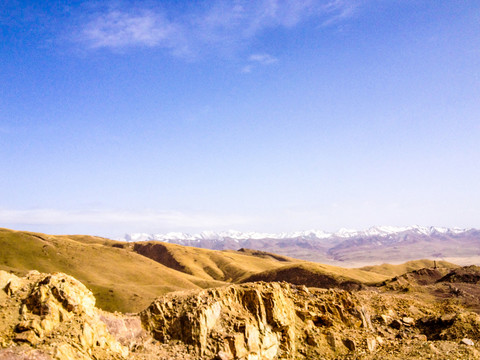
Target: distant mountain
348 247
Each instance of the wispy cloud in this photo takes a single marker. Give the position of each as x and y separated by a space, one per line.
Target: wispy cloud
169 220
120 29
339 10
258 59
216 25
263 59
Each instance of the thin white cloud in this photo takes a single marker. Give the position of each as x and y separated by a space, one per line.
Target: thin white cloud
258 59
339 10
247 69
117 29
263 59
216 25
112 219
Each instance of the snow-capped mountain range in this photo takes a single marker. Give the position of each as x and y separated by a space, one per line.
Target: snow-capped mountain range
308 234
345 247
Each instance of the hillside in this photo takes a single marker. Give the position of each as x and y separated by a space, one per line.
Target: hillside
252 265
396 270
128 276
119 278
229 266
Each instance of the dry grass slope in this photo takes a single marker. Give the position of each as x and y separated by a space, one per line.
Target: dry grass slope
127 277
317 275
120 279
230 266
396 270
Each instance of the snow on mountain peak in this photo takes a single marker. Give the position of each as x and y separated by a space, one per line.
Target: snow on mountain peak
310 234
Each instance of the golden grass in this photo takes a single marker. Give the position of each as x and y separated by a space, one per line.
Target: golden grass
123 280
210 264
119 278
396 270
338 274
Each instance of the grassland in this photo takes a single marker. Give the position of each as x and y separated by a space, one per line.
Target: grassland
396 270
127 277
229 266
119 278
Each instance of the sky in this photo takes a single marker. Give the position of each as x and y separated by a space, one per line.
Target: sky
268 115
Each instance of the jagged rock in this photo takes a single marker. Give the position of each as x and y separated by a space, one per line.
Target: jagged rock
371 344
467 341
385 319
448 318
332 341
51 304
421 337
396 324
349 344
365 317
53 317
258 321
9 283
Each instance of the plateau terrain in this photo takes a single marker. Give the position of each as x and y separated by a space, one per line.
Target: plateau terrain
85 297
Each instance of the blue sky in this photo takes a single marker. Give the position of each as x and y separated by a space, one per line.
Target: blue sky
269 115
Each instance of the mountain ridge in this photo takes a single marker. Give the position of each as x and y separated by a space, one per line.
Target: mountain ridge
319 234
344 248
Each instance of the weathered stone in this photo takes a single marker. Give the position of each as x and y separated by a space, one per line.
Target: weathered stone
433 348
365 317
421 337
332 341
222 355
385 319
467 342
349 344
47 303
262 320
13 285
256 321
371 344
448 318
396 324
27 337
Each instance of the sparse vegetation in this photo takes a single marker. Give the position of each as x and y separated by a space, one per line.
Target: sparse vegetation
128 277
113 274
409 310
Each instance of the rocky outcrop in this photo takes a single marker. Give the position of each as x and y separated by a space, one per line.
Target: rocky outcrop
283 321
425 276
56 314
466 274
258 321
53 316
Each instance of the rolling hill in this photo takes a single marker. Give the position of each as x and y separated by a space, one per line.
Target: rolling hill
120 279
229 266
127 277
